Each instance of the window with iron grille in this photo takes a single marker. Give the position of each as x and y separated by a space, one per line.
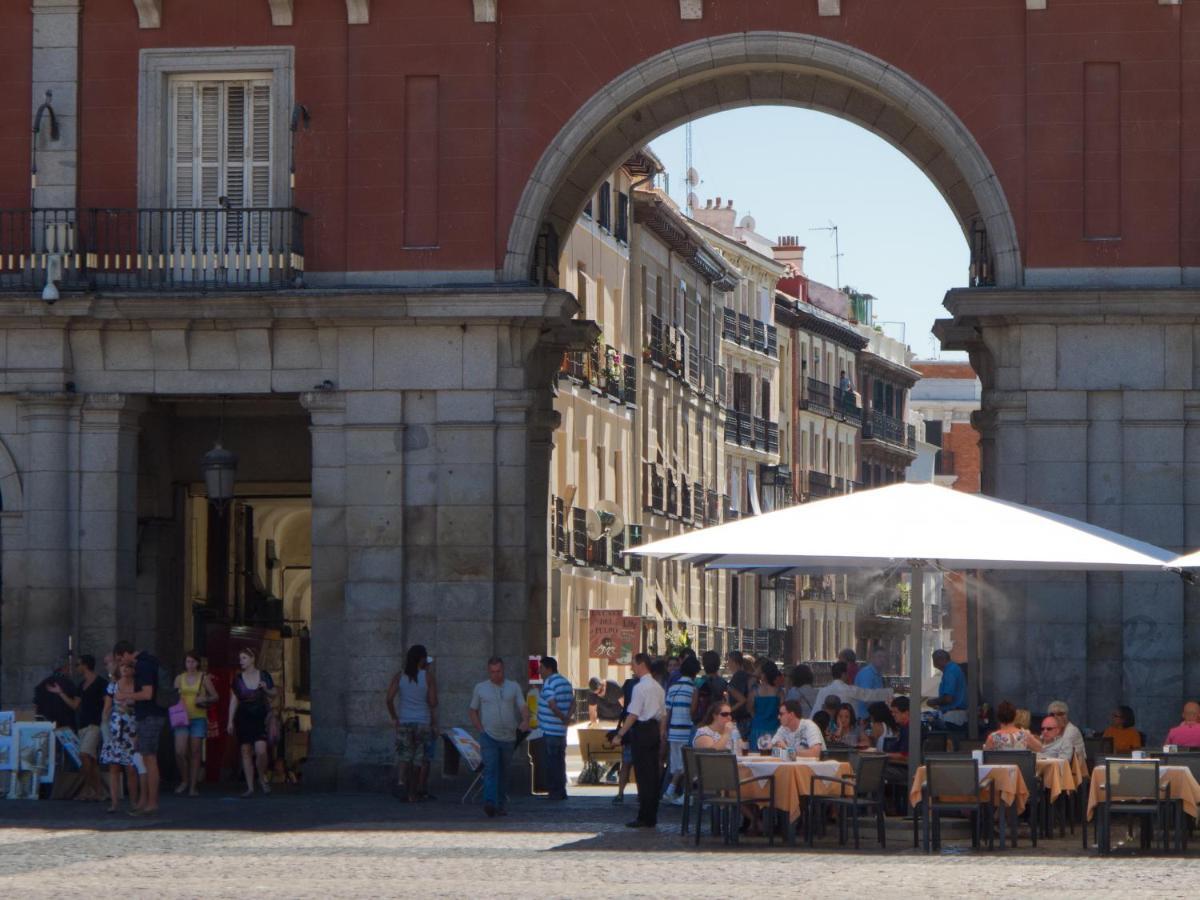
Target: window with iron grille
560 527
579 538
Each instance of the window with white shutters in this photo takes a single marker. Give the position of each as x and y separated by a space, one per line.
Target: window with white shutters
220 154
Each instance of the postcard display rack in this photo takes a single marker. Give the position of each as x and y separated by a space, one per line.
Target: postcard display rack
27 755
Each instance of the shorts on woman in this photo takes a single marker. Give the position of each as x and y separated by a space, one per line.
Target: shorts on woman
412 742
250 724
197 728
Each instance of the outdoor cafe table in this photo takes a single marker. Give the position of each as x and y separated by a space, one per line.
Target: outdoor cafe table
1058 775
1179 779
1010 786
793 780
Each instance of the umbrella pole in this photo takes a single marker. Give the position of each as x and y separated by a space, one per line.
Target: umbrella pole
916 655
973 673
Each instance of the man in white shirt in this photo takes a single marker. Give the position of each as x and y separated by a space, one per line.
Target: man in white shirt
798 733
643 717
1071 740
849 693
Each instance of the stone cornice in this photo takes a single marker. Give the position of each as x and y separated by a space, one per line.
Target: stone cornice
149 13
485 10
281 11
358 12
338 307
1050 306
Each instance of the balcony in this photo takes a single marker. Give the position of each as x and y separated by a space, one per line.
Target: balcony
745 332
662 350
629 388
579 540
685 501
818 399
699 510
672 497
153 249
878 426
713 514
758 337
752 432
656 491
820 484
845 407
729 331
753 334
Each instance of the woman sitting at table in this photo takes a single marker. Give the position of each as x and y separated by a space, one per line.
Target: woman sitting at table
717 731
845 731
1124 736
1008 736
879 726
765 699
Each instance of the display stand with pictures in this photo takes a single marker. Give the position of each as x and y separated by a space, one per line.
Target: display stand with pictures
460 746
32 751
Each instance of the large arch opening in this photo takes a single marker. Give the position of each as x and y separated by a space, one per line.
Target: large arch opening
774 68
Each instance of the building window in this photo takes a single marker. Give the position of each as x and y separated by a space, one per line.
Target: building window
220 144
587 209
212 123
604 214
622 230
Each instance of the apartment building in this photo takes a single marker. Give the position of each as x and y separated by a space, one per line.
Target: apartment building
594 489
681 288
750 348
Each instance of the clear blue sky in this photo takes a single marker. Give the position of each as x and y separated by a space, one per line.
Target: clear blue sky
794 170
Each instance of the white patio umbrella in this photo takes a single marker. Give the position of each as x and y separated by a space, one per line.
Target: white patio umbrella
1187 561
916 526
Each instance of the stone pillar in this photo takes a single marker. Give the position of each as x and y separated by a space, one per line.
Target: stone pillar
1089 406
39 612
56 69
357 566
108 526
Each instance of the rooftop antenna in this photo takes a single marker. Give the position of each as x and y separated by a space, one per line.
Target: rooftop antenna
837 251
691 178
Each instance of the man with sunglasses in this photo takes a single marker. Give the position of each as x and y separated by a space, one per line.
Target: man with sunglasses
1065 740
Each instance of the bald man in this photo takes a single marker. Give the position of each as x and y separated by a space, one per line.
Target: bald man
1187 732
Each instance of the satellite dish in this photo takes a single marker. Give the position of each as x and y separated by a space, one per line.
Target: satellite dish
693 178
595 527
692 200
610 517
748 223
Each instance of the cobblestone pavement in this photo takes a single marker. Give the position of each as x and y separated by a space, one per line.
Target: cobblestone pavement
340 845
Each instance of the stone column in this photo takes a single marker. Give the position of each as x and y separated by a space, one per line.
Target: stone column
108 526
39 612
357 566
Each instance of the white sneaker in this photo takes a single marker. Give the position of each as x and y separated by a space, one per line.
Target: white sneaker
677 800
669 795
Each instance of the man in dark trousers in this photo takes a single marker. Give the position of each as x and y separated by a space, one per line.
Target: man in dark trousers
643 720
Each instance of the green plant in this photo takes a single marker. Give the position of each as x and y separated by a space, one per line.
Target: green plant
678 641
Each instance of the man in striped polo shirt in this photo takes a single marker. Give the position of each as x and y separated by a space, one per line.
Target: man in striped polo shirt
556 703
677 729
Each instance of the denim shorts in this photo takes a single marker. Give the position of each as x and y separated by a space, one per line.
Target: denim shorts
197 728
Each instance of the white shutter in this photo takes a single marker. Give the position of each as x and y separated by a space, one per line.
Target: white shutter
183 151
209 188
260 144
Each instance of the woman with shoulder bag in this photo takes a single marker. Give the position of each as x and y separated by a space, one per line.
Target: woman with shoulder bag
196 694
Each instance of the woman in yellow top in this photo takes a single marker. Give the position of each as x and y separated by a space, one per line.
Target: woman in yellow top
197 693
1124 736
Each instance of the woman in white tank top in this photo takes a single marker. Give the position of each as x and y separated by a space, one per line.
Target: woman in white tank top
416 722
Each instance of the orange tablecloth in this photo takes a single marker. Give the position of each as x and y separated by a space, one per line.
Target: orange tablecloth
1010 786
793 783
1057 775
1182 783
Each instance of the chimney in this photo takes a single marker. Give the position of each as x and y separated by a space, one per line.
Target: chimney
790 253
722 218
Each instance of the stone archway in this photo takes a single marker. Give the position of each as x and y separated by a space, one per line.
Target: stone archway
758 68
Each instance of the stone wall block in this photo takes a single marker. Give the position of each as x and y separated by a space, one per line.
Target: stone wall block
297 348
1039 357
466 602
421 484
1152 405
468 639
465 484
212 349
1056 482
465 564
1057 405
413 358
1104 442
1151 482
466 406
512 445
1180 358
421 601
1104 484
512 485
1057 443
373 526
1105 405
1155 523
1056 602
374 407
372 601
1098 357
375 563
511 565
355 359
420 526
465 526
1153 443
373 445
328 486
379 485
465 445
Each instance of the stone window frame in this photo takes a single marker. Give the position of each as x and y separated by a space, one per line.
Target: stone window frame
156 67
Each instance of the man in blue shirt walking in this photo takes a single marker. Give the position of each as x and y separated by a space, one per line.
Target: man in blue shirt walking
870 677
556 703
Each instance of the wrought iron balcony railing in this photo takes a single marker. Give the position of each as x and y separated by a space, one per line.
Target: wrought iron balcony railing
223 249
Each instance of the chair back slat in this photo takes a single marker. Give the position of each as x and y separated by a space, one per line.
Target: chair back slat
842 754
952 777
1026 760
690 771
868 774
1191 760
718 772
1136 779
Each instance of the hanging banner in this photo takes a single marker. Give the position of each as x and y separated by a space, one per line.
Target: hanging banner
614 636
